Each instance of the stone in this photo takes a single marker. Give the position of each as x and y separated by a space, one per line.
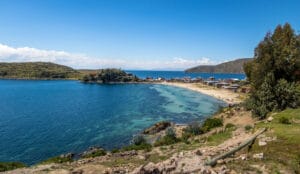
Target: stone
258 155
262 143
220 161
269 119
198 152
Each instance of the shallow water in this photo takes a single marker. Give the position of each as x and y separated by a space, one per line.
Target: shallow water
42 119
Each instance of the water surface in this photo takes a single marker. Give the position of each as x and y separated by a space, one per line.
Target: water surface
42 119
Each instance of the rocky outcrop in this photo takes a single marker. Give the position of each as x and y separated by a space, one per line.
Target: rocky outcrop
157 127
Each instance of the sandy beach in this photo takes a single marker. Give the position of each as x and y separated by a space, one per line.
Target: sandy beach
222 94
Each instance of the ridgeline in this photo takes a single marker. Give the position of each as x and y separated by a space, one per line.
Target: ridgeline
235 67
37 70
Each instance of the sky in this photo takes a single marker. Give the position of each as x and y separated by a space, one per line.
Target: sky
138 34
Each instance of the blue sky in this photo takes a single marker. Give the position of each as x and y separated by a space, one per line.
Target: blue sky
138 34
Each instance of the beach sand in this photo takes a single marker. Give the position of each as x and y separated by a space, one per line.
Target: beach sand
225 95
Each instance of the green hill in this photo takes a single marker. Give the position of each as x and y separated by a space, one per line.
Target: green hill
235 66
109 76
37 70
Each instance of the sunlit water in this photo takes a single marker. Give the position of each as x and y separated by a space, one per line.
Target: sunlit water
42 119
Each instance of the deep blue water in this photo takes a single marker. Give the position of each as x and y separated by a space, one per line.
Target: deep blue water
180 74
42 119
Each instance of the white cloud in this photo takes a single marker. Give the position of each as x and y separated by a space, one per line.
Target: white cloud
27 54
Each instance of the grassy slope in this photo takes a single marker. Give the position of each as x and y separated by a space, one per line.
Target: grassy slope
281 155
37 70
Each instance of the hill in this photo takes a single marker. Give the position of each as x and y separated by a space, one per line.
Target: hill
108 76
235 66
37 70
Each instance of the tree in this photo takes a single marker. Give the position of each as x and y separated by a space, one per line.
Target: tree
274 72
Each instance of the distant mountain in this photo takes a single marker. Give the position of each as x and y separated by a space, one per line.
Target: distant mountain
235 66
37 70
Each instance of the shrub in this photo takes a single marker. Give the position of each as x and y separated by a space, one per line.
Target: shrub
169 138
284 120
193 129
211 123
248 127
230 126
115 150
4 166
99 152
138 140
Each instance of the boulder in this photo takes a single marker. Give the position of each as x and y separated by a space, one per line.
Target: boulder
258 155
157 127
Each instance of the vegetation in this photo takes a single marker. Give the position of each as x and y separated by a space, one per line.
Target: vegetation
110 76
281 155
168 139
138 143
235 66
37 70
98 152
211 123
284 120
58 159
5 166
274 72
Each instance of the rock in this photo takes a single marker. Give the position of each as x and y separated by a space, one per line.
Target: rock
157 127
142 157
258 155
262 143
205 171
77 171
68 155
92 150
220 161
126 153
269 119
198 152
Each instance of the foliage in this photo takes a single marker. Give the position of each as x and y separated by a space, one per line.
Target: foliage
37 70
169 138
284 120
110 75
248 127
230 126
274 72
98 152
211 123
57 159
5 166
138 140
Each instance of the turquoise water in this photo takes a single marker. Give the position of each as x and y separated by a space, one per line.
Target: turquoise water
42 119
181 74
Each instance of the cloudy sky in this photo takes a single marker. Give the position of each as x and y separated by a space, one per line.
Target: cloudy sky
138 34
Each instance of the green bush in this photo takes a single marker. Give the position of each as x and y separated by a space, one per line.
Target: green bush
211 123
169 138
248 127
5 166
99 152
193 129
284 120
138 140
230 126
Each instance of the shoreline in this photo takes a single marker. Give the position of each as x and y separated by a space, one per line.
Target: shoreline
227 96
